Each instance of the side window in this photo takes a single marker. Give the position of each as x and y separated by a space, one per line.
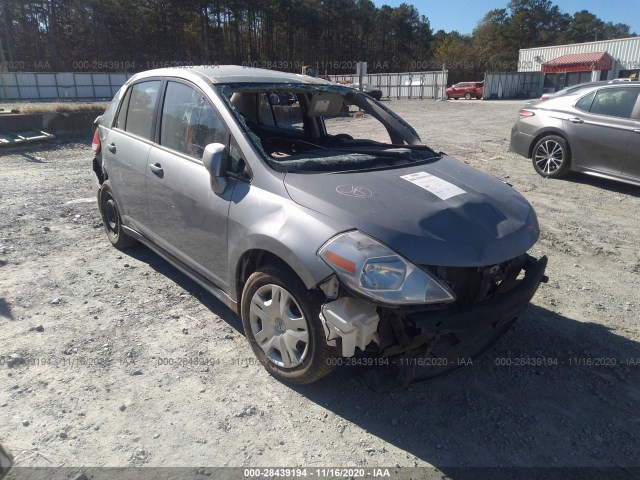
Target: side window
585 102
615 102
236 161
189 122
121 121
139 118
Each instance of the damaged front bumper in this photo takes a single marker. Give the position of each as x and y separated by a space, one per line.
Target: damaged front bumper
469 321
421 342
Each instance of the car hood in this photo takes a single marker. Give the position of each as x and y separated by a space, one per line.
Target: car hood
444 213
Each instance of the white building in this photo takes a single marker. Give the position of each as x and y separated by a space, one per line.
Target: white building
566 65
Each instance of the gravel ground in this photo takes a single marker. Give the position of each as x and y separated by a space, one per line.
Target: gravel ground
89 333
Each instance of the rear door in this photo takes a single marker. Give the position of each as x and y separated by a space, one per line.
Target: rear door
632 163
601 129
187 219
127 148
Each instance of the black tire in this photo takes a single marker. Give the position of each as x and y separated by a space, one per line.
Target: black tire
551 156
455 98
317 358
467 96
111 218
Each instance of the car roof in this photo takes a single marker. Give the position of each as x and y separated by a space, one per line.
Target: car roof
568 98
603 85
580 86
218 74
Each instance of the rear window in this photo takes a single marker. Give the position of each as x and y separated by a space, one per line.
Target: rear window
585 102
136 113
281 110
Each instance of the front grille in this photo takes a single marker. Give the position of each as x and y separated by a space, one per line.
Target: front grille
475 284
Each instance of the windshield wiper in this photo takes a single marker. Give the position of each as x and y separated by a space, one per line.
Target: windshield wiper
391 152
386 146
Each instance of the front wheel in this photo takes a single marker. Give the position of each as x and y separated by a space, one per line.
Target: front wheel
281 319
551 157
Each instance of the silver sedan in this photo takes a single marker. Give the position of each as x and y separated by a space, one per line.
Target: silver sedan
594 130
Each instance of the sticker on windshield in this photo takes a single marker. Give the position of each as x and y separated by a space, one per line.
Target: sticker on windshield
439 187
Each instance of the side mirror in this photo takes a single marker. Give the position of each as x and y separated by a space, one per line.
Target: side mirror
214 159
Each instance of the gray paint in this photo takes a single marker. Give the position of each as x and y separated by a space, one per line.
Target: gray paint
488 224
293 215
600 145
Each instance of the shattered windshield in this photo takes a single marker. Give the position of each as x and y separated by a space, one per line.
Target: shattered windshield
323 128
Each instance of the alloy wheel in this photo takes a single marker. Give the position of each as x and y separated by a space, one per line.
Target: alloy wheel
549 156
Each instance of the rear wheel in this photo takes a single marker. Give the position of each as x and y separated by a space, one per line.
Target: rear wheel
281 319
111 218
551 157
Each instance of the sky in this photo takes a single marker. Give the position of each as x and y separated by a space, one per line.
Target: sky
463 16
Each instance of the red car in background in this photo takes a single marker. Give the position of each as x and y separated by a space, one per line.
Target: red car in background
467 90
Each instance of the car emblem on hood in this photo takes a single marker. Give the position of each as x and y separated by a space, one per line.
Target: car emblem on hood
354 191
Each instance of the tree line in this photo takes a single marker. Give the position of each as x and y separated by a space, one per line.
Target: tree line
124 35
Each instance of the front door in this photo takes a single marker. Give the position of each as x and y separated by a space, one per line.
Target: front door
187 219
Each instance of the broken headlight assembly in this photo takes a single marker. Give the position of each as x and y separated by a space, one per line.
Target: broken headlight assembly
379 273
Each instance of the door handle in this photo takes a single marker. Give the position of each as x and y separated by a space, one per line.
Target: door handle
576 120
112 147
157 169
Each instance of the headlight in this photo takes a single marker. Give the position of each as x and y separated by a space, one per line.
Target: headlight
379 273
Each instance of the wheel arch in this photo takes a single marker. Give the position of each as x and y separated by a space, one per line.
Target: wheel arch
546 133
253 259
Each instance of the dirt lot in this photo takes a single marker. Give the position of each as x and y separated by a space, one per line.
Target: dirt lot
97 330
